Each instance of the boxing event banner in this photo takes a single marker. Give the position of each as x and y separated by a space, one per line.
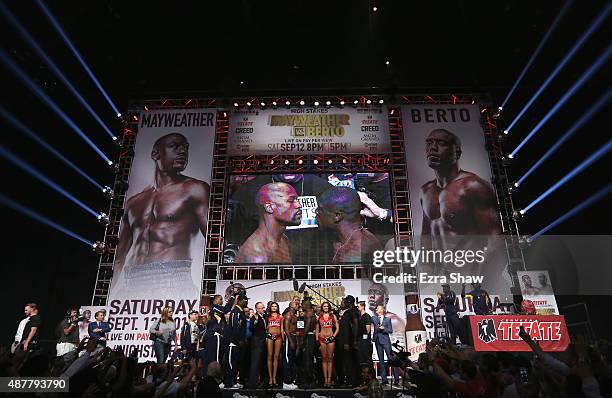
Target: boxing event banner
307 130
159 255
282 292
434 317
536 287
501 332
453 203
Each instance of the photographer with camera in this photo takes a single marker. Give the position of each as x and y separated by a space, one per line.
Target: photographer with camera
67 332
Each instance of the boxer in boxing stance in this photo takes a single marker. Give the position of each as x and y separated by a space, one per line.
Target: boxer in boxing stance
455 202
278 207
154 249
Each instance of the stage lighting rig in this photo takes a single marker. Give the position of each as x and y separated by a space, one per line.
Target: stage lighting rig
103 218
497 113
518 215
328 103
381 101
108 192
99 247
341 102
302 102
114 167
236 105
368 102
316 103
288 103
249 103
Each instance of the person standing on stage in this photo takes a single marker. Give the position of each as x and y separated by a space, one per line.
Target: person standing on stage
163 334
481 302
20 329
29 337
447 300
189 336
326 332
259 329
236 338
98 328
364 346
274 340
213 347
290 344
309 344
348 337
382 341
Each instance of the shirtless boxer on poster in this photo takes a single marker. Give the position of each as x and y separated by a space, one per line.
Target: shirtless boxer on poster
339 210
278 208
456 202
159 223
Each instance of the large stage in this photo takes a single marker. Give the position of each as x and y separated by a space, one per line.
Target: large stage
314 393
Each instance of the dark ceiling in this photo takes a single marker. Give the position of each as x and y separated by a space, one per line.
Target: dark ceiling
151 49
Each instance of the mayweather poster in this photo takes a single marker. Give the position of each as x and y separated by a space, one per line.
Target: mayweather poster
159 256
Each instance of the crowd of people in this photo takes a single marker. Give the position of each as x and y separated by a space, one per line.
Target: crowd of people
313 346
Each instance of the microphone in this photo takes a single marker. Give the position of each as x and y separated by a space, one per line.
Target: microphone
295 285
302 288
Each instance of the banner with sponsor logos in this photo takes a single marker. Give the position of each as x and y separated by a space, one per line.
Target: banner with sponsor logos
536 287
434 317
501 332
159 255
306 130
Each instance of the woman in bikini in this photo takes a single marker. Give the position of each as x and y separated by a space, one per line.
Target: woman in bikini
274 340
327 329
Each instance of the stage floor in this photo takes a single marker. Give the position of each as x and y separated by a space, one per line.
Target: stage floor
390 392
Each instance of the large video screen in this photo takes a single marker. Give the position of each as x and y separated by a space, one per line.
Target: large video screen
307 219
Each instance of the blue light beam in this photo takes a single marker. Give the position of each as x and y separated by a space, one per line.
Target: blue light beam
10 203
597 196
601 102
45 98
603 58
545 38
61 32
27 131
42 54
592 28
5 153
586 163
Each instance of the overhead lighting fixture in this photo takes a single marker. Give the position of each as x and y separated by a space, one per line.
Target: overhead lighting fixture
368 102
381 101
374 8
302 102
236 104
249 103
328 103
262 103
316 103
342 103
287 102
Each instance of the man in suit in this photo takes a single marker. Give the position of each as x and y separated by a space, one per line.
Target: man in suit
98 329
382 341
258 345
189 335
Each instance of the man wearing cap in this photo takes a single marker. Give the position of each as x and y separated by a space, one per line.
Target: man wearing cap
447 301
189 335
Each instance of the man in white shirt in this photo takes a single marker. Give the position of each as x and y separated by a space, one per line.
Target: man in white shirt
19 334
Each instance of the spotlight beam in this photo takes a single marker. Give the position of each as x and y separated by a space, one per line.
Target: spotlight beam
77 55
602 193
594 25
42 54
6 154
47 100
601 102
26 130
10 203
545 38
601 60
586 163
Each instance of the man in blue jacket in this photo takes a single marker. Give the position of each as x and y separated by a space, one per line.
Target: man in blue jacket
98 329
237 338
382 329
213 338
